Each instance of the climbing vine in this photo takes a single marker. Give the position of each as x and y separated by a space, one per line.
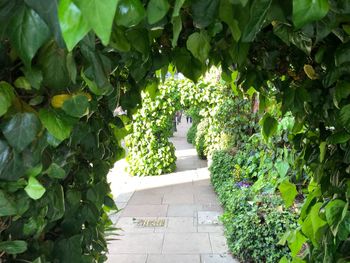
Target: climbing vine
97 55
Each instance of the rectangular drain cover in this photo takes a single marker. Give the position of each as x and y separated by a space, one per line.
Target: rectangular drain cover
151 223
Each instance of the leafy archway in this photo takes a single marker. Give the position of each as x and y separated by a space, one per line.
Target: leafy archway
66 66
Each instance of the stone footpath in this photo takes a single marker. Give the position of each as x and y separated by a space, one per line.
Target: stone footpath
171 218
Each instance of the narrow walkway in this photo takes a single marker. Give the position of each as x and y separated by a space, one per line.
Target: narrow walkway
171 218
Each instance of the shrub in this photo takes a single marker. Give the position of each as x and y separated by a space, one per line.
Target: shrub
191 134
201 140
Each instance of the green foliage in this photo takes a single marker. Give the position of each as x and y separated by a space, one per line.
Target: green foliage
191 134
150 152
294 53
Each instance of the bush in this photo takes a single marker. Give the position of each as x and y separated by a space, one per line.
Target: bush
201 145
191 134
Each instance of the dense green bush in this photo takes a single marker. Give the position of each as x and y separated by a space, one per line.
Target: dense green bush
150 152
191 134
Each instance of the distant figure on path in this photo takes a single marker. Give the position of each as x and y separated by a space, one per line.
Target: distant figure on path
189 119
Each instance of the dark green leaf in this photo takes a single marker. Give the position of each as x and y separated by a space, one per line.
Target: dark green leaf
335 215
76 106
74 26
339 137
306 11
56 203
139 40
288 192
21 130
226 15
28 32
6 97
344 117
269 126
58 124
177 27
34 76
69 250
53 63
156 10
257 15
71 67
118 40
129 13
13 247
7 206
55 171
49 13
199 45
186 64
204 12
342 91
99 15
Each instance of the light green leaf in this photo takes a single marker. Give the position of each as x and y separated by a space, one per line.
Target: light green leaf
177 7
306 11
156 10
73 25
58 124
7 206
76 106
344 117
282 168
28 33
34 188
21 130
177 27
6 97
55 171
13 247
288 192
269 126
199 45
129 13
22 83
100 16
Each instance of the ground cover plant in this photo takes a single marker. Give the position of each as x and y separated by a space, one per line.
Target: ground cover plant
66 65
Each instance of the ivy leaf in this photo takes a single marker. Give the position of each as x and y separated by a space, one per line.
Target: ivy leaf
282 168
342 91
53 64
204 12
99 15
156 10
339 137
257 14
344 117
58 124
22 83
198 44
76 106
69 250
225 13
34 188
336 211
186 64
57 207
323 149
49 13
306 11
34 76
13 247
129 13
288 192
21 130
6 97
7 206
177 27
269 126
119 40
55 171
28 33
73 25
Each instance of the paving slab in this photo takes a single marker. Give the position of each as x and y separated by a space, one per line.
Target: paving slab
218 243
127 258
137 243
188 210
208 218
144 210
186 243
173 259
179 225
